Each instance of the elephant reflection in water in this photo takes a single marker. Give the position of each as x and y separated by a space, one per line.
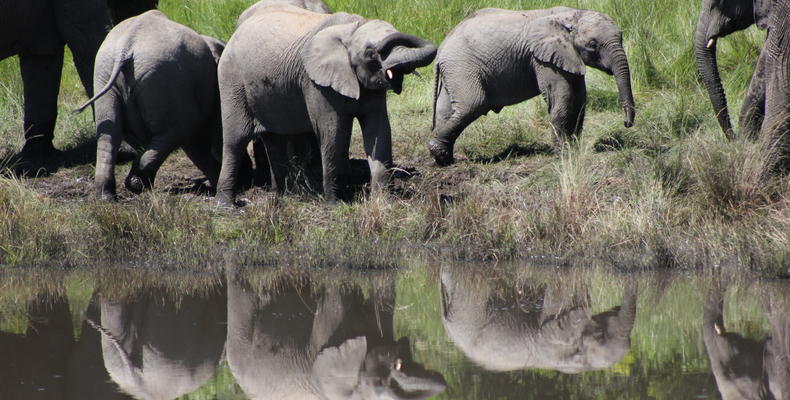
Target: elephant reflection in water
159 345
746 368
47 363
502 325
300 339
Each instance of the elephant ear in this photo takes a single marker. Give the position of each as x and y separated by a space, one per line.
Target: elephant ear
336 369
550 42
215 46
326 60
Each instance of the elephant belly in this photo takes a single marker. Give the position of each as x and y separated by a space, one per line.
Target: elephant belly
510 87
276 113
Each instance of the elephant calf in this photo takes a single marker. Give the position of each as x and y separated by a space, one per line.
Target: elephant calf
288 72
159 91
496 58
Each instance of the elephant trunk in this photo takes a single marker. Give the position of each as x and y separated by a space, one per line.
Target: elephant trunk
705 53
622 76
404 53
626 316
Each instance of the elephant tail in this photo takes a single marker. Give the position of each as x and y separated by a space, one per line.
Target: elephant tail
437 86
122 58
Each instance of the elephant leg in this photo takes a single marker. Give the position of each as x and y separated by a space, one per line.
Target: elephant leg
263 176
334 135
109 132
753 109
83 25
377 138
449 121
237 131
41 79
277 159
200 155
566 98
142 177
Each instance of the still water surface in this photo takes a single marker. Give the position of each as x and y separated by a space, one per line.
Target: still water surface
446 332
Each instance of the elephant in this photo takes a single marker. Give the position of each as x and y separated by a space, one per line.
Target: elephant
317 6
746 368
502 326
495 58
287 71
159 345
159 91
719 18
37 30
776 58
296 337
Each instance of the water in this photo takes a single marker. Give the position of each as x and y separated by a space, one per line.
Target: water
447 332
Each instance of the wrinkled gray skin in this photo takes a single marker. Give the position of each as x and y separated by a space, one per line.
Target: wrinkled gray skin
37 30
302 151
159 92
745 368
495 58
503 327
287 71
297 339
156 346
776 57
719 18
317 6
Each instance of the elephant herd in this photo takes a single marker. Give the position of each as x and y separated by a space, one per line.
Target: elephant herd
297 335
294 76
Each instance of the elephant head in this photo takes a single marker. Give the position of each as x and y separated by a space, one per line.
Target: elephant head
297 337
159 346
369 54
502 326
719 18
575 38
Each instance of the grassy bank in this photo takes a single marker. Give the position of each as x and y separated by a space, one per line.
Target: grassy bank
671 191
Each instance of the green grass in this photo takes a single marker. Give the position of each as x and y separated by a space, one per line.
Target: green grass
671 191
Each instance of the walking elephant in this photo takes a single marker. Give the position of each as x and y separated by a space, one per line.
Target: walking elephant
158 83
495 58
160 345
776 58
37 30
298 338
287 71
503 326
746 368
719 18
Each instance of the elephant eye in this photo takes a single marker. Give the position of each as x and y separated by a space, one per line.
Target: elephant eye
592 44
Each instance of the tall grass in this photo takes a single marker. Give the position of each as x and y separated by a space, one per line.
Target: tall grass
669 191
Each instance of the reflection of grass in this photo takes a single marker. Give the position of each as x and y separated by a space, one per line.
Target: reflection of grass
671 191
667 358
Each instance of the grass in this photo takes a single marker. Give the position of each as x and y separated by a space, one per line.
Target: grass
671 191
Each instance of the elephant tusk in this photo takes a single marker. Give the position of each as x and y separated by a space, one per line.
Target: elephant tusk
711 43
398 364
390 74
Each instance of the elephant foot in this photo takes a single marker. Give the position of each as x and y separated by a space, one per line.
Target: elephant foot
40 148
136 184
37 158
442 152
